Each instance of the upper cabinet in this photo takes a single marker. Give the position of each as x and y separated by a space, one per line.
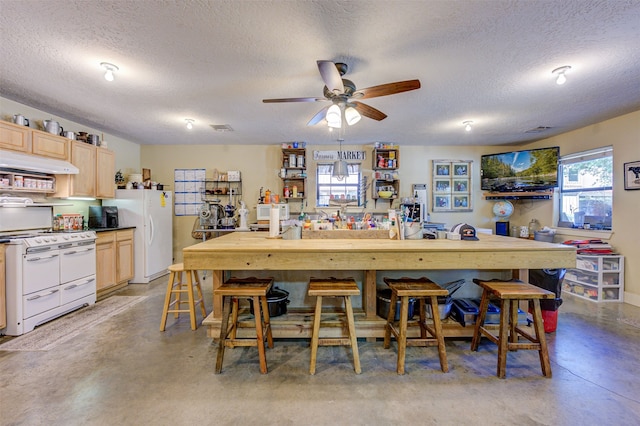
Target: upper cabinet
385 172
29 141
96 177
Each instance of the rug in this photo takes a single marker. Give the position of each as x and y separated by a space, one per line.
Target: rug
55 332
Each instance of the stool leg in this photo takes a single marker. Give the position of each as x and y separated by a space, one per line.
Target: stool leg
484 304
503 338
314 335
402 335
352 334
179 283
437 328
191 301
513 323
422 309
234 316
259 335
226 310
390 320
267 321
539 327
167 301
199 290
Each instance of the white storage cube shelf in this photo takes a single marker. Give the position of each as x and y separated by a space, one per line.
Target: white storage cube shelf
596 278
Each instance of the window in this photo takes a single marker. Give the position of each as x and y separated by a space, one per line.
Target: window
329 187
586 199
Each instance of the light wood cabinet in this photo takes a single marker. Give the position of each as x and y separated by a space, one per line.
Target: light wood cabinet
96 177
114 261
124 261
105 173
49 145
105 261
3 298
30 141
15 137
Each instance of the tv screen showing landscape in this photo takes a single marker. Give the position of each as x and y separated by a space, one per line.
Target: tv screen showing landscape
528 170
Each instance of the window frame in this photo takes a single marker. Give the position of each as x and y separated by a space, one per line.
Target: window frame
355 169
582 157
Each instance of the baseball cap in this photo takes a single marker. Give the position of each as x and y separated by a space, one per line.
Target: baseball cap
466 231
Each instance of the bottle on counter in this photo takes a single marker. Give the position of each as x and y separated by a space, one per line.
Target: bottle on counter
267 196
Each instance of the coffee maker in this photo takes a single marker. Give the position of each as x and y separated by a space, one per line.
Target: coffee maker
103 217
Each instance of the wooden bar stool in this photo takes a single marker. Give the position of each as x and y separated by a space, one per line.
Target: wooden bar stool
256 289
176 287
509 293
421 289
334 287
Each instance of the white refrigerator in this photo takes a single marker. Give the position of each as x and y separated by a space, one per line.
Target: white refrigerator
151 212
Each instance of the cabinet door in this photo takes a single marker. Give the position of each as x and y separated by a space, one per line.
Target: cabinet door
105 260
105 173
124 269
14 137
83 156
49 145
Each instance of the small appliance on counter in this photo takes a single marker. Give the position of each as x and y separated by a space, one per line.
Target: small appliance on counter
103 217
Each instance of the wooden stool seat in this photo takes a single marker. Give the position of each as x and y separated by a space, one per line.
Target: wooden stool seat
334 287
509 293
176 287
422 289
256 289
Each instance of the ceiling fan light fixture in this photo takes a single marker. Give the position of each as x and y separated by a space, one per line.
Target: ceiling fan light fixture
189 122
333 116
561 74
351 116
109 70
467 125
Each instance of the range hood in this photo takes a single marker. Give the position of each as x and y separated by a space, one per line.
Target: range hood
33 163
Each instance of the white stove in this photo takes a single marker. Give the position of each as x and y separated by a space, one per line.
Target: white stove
48 275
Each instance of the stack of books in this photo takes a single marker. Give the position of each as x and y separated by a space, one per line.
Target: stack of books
596 246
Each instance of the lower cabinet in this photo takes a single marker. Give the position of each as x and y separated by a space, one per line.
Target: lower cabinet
114 263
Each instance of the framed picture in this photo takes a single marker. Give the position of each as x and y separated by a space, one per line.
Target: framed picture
442 169
452 185
632 175
461 202
441 203
442 185
460 186
460 169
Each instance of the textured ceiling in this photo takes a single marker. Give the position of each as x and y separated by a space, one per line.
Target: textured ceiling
214 62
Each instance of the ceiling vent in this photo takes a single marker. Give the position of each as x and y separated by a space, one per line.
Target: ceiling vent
538 129
222 128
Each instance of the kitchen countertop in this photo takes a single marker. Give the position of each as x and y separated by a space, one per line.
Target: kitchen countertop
120 228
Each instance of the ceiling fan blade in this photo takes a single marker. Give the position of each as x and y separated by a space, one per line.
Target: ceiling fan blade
319 116
331 76
268 101
387 89
369 111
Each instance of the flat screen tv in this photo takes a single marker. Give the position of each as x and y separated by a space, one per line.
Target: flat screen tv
516 171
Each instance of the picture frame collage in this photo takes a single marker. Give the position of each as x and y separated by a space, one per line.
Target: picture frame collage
451 186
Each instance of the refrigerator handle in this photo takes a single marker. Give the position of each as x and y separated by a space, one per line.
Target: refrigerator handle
152 233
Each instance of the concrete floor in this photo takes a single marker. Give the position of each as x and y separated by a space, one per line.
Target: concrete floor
125 371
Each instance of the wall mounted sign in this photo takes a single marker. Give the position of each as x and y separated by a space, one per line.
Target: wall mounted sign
451 186
339 155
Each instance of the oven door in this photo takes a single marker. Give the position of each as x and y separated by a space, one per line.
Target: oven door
77 262
40 271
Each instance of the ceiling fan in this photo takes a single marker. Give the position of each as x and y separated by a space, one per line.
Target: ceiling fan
343 95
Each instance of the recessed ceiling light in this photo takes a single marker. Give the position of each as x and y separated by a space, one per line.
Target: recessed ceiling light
560 72
109 70
190 122
467 125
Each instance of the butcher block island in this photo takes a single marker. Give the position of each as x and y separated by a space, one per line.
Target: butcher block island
255 254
